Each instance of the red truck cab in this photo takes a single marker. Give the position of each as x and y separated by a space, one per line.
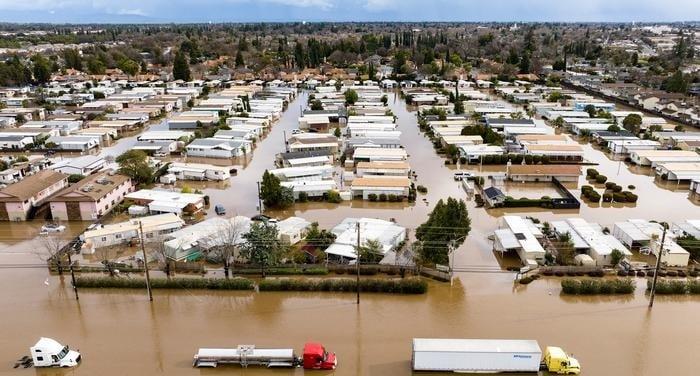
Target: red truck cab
316 357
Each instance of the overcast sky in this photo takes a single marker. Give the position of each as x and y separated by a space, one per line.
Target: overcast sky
81 11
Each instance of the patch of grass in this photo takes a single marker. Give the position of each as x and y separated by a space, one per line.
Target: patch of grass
165 283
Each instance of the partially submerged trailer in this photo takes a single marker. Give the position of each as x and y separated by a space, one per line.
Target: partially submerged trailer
315 356
476 355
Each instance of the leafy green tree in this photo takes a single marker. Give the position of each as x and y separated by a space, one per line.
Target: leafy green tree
41 69
128 66
337 132
318 238
95 66
262 246
273 194
677 83
616 256
447 226
134 164
632 123
371 251
72 59
181 67
351 96
614 128
555 96
239 59
74 178
316 105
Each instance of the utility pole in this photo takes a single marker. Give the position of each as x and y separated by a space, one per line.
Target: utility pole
658 266
145 263
452 261
260 208
72 274
357 262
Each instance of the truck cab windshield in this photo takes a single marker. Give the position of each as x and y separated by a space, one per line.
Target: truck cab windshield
64 352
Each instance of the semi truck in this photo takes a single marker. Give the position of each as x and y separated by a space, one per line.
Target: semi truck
314 356
489 356
49 353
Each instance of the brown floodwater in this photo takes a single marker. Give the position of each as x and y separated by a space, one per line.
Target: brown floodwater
120 333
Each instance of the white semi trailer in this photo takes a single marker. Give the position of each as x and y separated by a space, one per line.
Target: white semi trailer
476 355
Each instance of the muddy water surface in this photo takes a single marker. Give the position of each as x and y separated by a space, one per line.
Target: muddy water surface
120 333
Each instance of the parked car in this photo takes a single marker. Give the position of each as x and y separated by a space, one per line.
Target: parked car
296 131
220 209
461 175
264 218
51 228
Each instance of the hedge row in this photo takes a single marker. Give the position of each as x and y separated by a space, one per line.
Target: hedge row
527 202
165 283
597 286
396 286
677 287
284 271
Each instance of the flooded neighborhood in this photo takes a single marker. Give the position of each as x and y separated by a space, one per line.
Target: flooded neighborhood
429 200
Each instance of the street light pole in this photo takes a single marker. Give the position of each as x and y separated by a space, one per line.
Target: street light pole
357 262
145 263
658 266
72 275
260 208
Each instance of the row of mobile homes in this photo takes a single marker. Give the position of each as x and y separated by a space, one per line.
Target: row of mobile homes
155 227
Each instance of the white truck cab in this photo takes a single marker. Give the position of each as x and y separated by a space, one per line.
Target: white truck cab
49 353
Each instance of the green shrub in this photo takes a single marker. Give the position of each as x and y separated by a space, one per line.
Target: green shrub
595 287
607 197
463 160
382 197
333 197
586 188
165 283
422 189
379 285
610 185
303 197
617 188
694 287
630 197
600 179
631 187
619 197
591 173
594 196
372 197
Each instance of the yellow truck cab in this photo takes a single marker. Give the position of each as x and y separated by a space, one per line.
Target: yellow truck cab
557 361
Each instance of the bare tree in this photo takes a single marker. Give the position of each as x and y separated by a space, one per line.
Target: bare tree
162 255
105 254
53 248
223 245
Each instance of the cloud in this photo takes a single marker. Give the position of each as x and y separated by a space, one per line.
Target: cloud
347 10
379 5
322 4
131 12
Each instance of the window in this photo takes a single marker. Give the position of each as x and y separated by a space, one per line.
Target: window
104 238
39 358
118 236
149 235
